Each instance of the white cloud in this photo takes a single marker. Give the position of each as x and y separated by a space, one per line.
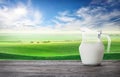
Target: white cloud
98 17
20 17
64 13
24 18
106 3
93 18
64 17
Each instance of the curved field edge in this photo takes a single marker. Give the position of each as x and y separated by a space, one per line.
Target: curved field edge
48 49
4 56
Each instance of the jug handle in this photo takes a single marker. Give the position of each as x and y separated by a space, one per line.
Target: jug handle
109 42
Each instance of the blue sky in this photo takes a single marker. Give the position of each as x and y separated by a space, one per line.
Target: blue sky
54 6
59 15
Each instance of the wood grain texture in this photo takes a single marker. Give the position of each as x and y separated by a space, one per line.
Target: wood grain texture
58 68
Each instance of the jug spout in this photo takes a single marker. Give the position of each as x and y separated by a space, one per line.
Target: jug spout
99 34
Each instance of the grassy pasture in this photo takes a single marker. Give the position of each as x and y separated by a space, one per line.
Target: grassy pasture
51 50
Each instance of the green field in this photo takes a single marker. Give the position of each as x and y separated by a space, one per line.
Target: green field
51 50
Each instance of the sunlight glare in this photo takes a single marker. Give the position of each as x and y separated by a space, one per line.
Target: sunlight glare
20 11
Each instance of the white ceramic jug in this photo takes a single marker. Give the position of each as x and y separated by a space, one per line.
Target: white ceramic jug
91 48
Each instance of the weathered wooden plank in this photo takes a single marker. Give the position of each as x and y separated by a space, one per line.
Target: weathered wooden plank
58 68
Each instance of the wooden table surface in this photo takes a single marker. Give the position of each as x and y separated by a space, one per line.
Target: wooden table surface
58 68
